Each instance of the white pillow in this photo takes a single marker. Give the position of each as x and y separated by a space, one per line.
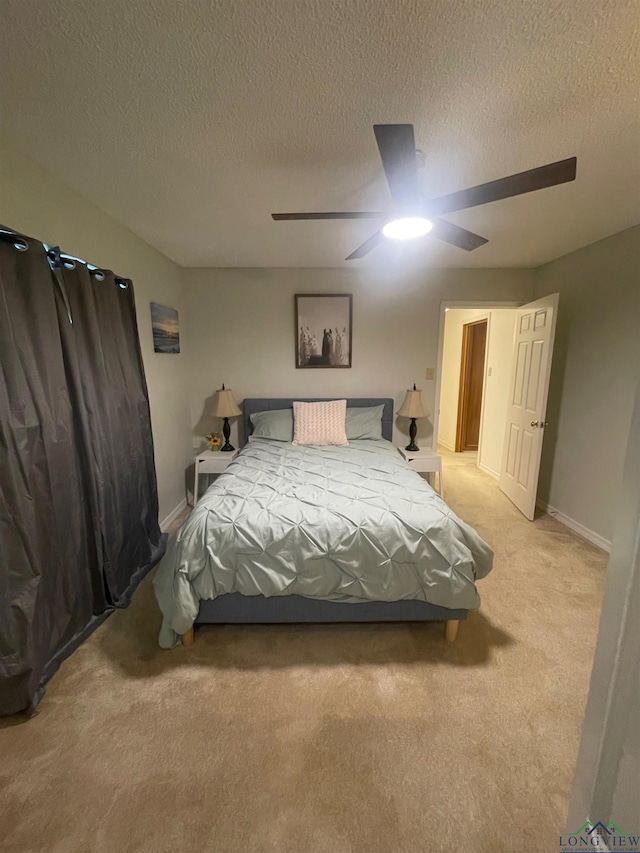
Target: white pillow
320 423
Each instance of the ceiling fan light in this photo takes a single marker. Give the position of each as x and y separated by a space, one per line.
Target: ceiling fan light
407 227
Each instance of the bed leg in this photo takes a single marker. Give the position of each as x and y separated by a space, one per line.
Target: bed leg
188 637
451 629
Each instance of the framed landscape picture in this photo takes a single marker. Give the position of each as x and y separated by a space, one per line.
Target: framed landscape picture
323 329
166 330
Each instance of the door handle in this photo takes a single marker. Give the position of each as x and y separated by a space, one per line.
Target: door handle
534 423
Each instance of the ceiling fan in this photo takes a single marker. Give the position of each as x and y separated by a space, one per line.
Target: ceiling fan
412 215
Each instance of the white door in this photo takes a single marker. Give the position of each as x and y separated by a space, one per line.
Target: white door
526 409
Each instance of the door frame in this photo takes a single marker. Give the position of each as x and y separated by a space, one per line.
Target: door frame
464 384
462 303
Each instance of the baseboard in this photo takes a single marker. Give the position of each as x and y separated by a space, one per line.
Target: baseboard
578 528
489 471
446 445
173 515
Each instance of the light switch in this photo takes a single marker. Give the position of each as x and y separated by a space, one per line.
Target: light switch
430 372
489 371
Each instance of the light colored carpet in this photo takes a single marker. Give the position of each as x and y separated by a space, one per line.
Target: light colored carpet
333 739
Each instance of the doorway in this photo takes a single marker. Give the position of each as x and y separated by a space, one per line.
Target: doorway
472 361
518 347
496 323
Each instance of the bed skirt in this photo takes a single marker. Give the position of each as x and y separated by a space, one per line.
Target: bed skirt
235 608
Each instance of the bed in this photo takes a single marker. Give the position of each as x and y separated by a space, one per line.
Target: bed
319 534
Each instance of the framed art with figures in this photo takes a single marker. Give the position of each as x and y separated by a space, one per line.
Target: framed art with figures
323 329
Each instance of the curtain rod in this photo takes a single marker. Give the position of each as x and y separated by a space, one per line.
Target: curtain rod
56 257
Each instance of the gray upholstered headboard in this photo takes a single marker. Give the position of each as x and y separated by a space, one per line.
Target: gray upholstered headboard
266 404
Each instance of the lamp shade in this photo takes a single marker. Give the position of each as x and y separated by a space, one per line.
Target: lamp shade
413 405
225 406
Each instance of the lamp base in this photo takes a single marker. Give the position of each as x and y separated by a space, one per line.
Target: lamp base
226 431
413 429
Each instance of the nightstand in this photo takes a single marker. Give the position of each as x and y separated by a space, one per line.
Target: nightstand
211 462
425 462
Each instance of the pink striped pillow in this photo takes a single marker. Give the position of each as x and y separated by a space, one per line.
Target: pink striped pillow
320 423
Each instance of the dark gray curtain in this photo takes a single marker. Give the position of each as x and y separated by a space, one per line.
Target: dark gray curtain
78 497
111 412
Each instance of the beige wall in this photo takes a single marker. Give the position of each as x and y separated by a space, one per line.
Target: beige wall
596 363
241 327
496 385
34 202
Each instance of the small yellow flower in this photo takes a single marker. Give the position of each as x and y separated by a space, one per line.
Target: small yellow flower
214 440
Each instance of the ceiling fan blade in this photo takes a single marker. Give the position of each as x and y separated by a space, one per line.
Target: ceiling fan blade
366 247
524 182
360 214
397 147
456 236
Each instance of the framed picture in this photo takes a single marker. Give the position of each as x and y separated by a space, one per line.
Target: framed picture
323 329
166 330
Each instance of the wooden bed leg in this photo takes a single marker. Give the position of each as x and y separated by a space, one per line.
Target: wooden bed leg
451 629
188 637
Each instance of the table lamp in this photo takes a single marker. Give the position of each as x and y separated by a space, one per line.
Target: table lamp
225 407
413 407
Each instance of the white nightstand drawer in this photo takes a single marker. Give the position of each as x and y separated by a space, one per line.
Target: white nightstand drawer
211 462
425 462
214 462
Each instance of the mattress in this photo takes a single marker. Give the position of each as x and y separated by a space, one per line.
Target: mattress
345 524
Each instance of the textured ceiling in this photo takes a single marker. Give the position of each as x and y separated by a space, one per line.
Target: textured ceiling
190 122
